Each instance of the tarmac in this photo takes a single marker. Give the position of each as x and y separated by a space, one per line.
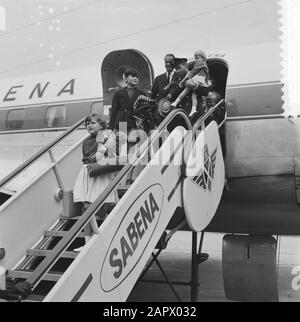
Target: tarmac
176 262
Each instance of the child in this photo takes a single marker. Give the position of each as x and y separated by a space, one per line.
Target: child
100 144
198 77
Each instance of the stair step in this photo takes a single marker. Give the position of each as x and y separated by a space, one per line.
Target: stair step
122 189
51 276
61 217
34 298
71 219
109 206
46 252
61 233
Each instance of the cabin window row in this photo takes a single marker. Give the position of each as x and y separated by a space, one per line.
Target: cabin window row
55 116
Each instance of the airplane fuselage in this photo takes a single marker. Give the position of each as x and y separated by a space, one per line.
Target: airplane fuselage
262 145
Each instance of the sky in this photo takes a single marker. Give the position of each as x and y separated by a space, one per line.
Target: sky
53 35
38 36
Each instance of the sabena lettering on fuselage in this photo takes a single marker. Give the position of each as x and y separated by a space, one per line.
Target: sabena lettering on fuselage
39 90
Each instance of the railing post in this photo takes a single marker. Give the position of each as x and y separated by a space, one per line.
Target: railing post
55 169
195 270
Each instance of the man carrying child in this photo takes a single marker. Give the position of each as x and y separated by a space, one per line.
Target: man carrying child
196 80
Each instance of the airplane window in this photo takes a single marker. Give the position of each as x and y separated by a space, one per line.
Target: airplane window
97 107
56 116
3 115
15 119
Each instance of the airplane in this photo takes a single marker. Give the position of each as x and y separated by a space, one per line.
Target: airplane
40 105
262 155
261 195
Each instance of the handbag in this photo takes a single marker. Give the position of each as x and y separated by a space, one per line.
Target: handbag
107 166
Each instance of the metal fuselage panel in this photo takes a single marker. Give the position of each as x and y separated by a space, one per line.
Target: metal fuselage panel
262 147
260 167
259 206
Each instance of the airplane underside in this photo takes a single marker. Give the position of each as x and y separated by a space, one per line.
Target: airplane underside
266 206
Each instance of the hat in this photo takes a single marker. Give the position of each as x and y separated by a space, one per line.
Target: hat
164 107
132 72
179 61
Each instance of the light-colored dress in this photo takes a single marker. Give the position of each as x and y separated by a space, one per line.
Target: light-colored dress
88 189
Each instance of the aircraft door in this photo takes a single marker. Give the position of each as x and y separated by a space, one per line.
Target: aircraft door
219 70
113 68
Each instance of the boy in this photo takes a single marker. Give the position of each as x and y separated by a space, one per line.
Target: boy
123 100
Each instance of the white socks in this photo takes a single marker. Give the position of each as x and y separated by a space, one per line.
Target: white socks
177 101
194 110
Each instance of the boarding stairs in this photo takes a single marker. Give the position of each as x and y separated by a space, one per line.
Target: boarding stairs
123 234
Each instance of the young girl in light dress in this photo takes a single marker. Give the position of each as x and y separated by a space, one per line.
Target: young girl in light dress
101 144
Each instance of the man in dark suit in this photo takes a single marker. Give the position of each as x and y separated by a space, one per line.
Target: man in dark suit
123 101
164 82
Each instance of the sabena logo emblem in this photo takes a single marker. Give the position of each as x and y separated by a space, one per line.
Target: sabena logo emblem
2 19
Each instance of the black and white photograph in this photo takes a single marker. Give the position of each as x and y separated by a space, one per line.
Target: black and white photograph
149 153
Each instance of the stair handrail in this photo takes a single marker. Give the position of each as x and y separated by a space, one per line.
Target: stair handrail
40 153
65 242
